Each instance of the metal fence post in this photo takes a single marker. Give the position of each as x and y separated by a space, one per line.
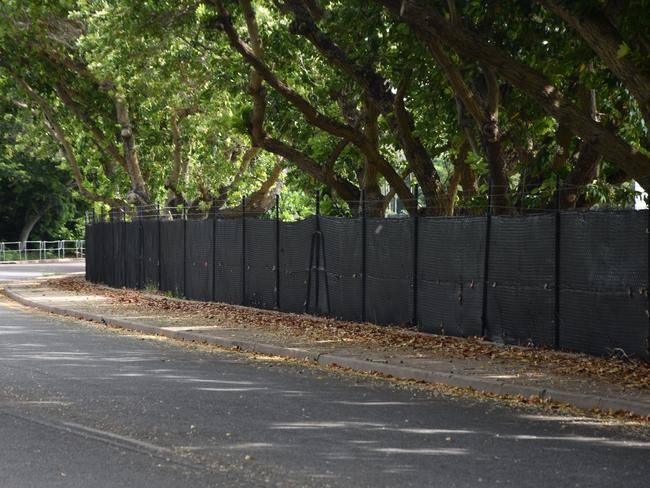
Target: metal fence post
414 317
184 250
556 294
102 268
647 344
214 253
317 284
159 229
124 241
363 256
111 225
277 251
243 250
486 261
141 283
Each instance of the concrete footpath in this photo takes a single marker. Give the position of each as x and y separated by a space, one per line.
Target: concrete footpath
525 379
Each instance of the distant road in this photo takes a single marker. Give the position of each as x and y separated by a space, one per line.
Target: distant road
9 272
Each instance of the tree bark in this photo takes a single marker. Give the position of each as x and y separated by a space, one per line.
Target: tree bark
179 170
31 219
460 171
369 180
139 193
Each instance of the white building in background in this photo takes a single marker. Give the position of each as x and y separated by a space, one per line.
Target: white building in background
640 200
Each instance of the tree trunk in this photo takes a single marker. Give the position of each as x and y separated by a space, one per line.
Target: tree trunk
139 193
31 219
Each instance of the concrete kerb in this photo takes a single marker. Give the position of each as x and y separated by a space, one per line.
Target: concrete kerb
580 400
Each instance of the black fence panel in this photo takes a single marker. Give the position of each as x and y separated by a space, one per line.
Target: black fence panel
228 261
260 263
389 258
604 262
343 259
295 243
521 279
172 253
151 253
199 260
101 246
106 249
115 235
603 271
91 252
450 272
119 234
132 255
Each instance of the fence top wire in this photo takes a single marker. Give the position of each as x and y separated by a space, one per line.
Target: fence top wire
523 198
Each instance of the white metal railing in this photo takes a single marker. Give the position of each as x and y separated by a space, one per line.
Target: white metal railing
32 250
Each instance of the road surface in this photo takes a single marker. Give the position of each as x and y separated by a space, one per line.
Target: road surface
25 271
83 406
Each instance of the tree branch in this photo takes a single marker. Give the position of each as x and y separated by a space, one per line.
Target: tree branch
531 82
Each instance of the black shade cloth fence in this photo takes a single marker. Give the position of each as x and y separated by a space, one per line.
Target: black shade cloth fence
573 280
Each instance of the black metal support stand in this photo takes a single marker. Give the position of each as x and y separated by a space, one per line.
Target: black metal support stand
316 252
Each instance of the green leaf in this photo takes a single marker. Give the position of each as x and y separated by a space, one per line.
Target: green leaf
623 50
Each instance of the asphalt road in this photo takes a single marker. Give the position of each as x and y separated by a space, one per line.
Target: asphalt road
82 406
25 271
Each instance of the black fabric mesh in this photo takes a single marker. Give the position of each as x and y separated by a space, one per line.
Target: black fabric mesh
90 252
604 262
102 276
295 241
343 254
199 260
389 269
260 263
119 238
171 256
150 256
106 249
228 260
132 255
521 279
450 272
115 249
